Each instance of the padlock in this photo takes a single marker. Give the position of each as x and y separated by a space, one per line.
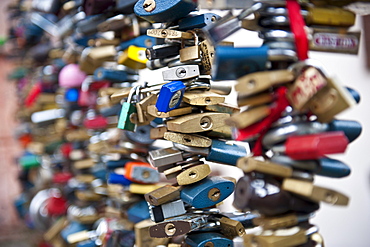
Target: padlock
143 237
138 212
72 227
93 7
323 167
231 63
114 75
164 157
141 172
198 122
121 238
128 108
259 81
153 111
115 178
207 192
162 11
158 132
143 188
208 53
190 53
265 195
192 174
178 225
181 73
163 195
231 228
202 98
162 51
170 96
219 151
167 210
133 57
222 108
313 146
249 164
314 193
284 221
246 118
207 239
197 21
168 33
191 140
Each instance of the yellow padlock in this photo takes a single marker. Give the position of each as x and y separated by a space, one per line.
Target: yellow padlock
133 57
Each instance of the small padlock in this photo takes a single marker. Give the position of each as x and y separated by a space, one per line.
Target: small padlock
190 52
163 195
170 96
128 108
167 210
141 172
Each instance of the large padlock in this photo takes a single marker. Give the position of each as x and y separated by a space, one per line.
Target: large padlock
207 192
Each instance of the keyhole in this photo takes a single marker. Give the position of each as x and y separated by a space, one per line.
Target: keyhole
205 123
181 72
209 244
251 83
214 194
331 197
149 5
170 229
164 33
187 139
175 99
151 199
145 174
193 174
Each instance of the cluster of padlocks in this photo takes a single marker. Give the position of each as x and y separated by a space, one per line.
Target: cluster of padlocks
111 160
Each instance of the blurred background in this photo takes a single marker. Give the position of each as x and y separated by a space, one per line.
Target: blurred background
340 226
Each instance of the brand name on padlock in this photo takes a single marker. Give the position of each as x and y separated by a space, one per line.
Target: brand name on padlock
335 41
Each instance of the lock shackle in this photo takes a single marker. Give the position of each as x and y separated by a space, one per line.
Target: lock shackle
131 94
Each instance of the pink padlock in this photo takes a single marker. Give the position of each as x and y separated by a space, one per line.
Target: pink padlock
71 76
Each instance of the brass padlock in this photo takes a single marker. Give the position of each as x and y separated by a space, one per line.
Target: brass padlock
191 140
244 119
190 52
163 195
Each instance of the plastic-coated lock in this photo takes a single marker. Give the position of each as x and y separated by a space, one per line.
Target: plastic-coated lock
208 239
170 96
225 153
162 51
314 146
138 212
207 192
115 178
231 63
197 21
29 160
324 167
113 75
163 10
141 135
144 41
124 121
141 172
133 57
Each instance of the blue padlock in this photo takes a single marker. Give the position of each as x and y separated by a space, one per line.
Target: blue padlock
113 164
114 178
207 192
138 212
163 10
197 21
114 75
224 153
204 239
141 41
231 63
170 96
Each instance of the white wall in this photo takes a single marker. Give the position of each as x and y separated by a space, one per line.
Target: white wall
340 226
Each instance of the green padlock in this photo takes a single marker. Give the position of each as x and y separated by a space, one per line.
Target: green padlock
128 108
